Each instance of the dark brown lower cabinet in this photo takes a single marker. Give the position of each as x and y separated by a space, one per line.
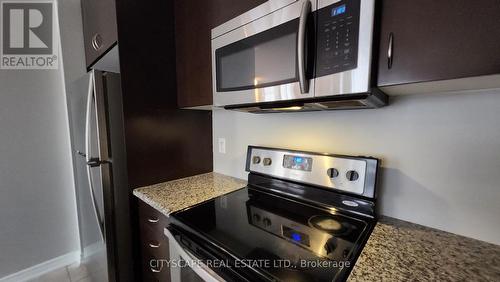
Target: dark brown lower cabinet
153 244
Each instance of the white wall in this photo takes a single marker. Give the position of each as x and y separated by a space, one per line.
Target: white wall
440 153
37 202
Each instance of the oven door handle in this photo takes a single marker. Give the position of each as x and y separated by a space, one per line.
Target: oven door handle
301 47
178 252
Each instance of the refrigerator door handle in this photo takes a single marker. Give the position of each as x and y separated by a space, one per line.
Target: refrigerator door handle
101 116
90 99
88 156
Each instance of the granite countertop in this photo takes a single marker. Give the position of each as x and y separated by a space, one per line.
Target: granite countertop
401 251
396 250
171 196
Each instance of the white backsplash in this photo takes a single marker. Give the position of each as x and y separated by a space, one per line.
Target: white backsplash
440 153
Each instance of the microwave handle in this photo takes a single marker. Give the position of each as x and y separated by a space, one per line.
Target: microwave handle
301 52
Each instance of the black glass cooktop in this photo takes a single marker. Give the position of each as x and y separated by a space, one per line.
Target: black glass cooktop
285 239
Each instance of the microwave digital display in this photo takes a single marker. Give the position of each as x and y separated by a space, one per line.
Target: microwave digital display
338 10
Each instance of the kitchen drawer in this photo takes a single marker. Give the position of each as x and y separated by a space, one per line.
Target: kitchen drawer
151 217
149 273
153 242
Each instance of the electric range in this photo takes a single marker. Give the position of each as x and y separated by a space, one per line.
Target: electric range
302 217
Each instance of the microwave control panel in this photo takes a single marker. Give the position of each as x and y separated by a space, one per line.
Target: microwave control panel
337 37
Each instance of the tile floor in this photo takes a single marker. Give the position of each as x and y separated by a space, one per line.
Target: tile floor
71 273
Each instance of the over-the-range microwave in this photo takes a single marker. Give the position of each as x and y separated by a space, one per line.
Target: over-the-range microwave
305 55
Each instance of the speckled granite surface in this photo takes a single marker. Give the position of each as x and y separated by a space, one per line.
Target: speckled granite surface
178 194
396 250
403 251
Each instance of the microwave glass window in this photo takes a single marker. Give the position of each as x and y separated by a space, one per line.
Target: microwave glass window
262 60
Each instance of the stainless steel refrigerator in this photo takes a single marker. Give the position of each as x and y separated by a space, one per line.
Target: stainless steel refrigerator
99 157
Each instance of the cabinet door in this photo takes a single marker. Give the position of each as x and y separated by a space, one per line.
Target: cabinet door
99 28
437 40
194 21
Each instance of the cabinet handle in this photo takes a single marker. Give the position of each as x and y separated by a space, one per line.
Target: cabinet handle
389 50
153 220
155 270
154 244
97 41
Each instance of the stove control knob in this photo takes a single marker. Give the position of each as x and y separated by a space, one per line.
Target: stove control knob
332 172
267 222
256 217
352 175
256 160
330 245
267 161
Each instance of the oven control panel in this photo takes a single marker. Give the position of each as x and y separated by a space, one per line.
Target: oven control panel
348 174
337 42
297 162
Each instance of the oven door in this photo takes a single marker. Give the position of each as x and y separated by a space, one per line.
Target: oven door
266 59
193 259
185 267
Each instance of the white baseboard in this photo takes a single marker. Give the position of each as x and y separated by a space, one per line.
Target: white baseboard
42 268
93 249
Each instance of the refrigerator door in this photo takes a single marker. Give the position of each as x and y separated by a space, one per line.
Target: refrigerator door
117 196
100 160
88 189
98 141
92 145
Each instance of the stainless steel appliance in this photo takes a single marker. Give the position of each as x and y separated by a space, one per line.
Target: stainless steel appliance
102 192
296 55
302 217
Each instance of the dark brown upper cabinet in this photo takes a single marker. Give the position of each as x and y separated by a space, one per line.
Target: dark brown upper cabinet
194 21
99 28
438 40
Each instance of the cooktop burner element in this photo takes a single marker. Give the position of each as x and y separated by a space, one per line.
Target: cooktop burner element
328 224
292 223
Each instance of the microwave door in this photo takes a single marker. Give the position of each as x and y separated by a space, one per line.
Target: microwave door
264 60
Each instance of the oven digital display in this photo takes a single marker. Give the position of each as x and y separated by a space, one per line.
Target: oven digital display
297 162
338 10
